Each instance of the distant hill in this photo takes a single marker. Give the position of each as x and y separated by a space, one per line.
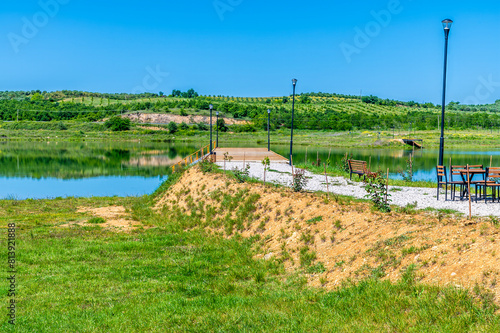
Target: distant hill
314 111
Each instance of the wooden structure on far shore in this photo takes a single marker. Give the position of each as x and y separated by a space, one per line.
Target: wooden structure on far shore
414 143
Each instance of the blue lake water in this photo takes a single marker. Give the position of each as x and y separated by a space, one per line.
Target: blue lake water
60 169
31 188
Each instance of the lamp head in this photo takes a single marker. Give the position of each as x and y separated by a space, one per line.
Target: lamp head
211 107
268 111
447 24
216 113
294 81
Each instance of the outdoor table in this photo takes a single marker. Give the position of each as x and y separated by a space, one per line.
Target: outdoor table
472 173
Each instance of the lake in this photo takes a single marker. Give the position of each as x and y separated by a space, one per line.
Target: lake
107 168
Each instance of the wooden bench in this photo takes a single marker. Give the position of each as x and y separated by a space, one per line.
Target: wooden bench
359 168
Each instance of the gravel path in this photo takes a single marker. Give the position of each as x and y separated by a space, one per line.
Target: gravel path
401 196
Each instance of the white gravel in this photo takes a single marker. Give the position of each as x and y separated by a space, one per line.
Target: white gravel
400 196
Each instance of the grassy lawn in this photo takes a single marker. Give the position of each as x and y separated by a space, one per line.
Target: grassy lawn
172 275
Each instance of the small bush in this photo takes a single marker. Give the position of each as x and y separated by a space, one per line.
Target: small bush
61 126
118 124
242 174
344 164
206 166
299 180
375 186
172 127
96 220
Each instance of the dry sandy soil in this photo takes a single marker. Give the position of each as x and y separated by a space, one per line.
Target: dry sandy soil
350 239
162 118
116 218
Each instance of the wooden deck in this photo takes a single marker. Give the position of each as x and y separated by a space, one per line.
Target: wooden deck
248 154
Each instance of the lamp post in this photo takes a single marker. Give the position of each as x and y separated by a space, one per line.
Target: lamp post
217 128
268 135
211 108
294 82
446 26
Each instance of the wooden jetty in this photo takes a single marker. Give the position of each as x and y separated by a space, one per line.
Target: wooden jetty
248 154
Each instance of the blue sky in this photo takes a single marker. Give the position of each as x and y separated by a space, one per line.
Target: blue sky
253 47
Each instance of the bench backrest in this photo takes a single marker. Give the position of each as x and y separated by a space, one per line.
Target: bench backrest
355 165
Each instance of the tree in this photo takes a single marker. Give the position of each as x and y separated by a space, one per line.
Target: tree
172 127
221 124
184 126
117 123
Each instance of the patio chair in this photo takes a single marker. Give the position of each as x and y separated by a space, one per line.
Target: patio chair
442 180
491 180
454 183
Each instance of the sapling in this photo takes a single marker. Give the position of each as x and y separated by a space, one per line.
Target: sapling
265 163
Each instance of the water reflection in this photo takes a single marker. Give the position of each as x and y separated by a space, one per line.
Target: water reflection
41 169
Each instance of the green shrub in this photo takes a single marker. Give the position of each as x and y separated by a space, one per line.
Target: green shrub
117 123
172 127
96 220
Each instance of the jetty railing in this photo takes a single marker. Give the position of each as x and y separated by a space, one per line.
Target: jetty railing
188 160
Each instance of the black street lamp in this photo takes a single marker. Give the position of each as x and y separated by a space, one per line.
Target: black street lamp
217 128
211 108
268 135
294 82
447 26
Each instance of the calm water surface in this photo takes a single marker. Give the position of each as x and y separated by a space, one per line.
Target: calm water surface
60 169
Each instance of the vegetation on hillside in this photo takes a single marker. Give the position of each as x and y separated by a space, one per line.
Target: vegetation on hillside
313 111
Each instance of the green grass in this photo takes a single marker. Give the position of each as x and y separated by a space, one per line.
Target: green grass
176 277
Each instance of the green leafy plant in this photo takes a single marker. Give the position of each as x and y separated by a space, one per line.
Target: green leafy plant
228 158
118 124
299 180
96 220
206 165
407 174
344 164
172 127
375 186
242 174
266 163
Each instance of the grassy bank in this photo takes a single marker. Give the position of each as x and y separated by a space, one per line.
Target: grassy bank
74 131
172 274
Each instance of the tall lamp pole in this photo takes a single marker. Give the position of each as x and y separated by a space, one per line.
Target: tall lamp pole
217 129
447 26
211 108
268 135
294 82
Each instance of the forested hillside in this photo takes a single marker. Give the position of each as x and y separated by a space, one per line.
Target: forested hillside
314 111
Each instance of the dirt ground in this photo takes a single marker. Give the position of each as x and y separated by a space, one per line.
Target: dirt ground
350 240
162 118
115 218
